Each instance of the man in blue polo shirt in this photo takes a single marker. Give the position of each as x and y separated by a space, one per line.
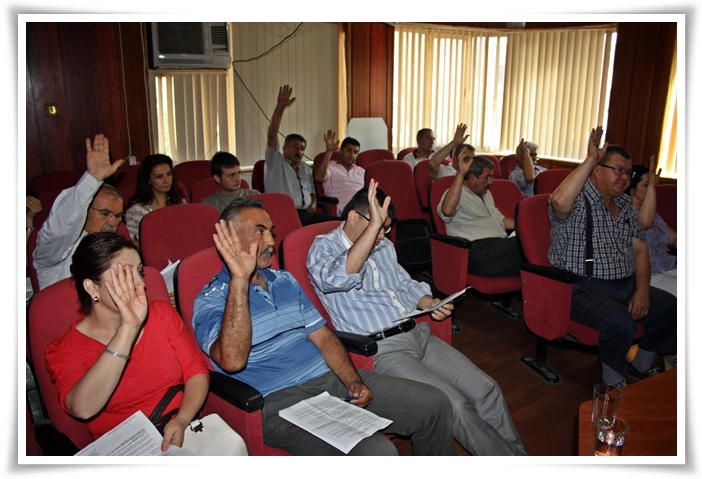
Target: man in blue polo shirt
258 326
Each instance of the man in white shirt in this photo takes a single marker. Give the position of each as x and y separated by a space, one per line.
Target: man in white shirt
89 207
469 211
425 147
343 178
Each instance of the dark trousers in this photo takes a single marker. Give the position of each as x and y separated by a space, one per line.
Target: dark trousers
495 257
603 305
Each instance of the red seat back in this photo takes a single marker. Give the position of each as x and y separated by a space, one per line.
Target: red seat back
396 179
257 176
403 152
534 229
368 157
667 204
422 180
547 181
175 232
190 172
125 178
497 170
507 164
507 196
52 311
436 191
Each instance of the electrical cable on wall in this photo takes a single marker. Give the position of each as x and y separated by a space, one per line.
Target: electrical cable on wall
130 159
279 44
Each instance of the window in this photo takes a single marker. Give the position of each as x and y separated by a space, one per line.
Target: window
668 156
547 86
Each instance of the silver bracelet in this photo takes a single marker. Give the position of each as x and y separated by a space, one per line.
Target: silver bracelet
118 355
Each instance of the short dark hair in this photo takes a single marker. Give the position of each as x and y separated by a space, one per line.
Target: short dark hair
222 160
294 136
359 202
234 209
615 150
350 141
92 258
457 151
478 166
422 131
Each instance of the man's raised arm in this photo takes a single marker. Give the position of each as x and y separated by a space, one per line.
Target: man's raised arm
564 195
321 170
527 164
231 349
453 196
362 247
283 102
458 137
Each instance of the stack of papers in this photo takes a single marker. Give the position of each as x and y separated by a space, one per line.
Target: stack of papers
339 423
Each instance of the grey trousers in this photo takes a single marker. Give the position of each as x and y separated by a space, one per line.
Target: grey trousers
416 409
481 421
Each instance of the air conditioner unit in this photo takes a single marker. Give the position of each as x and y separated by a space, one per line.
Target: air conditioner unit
188 46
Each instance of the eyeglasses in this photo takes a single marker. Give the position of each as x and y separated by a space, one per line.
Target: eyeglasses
618 171
107 213
386 229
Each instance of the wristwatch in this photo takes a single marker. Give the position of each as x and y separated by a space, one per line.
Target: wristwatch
30 229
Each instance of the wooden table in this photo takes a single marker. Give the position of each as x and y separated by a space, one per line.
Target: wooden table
650 409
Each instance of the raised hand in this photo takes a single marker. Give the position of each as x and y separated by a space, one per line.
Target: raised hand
284 94
460 135
240 261
378 214
654 177
593 149
522 150
331 141
126 288
463 164
98 158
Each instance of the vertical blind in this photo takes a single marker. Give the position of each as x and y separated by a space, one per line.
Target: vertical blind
546 86
668 156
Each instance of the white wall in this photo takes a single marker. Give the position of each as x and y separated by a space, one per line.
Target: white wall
307 62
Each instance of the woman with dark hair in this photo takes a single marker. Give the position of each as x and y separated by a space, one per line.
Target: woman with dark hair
660 238
127 352
156 188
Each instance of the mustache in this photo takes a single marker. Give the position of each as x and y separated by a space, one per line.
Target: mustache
268 250
109 229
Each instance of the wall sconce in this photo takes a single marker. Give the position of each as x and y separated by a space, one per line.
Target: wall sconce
51 109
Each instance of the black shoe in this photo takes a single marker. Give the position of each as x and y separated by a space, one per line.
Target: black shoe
633 375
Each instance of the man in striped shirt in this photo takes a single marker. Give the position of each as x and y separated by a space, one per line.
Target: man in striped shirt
355 272
257 325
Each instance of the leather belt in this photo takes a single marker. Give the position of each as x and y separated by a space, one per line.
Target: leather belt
400 328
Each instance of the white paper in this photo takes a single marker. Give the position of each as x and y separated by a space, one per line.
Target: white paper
167 274
333 420
135 436
431 309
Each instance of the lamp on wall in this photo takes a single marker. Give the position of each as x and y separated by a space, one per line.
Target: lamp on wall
51 109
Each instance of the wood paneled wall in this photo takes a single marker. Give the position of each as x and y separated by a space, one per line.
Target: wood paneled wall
642 63
79 67
369 49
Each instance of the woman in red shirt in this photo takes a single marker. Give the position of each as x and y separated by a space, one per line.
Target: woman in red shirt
127 351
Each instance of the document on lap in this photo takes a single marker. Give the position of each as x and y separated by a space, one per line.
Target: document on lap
336 422
431 309
135 436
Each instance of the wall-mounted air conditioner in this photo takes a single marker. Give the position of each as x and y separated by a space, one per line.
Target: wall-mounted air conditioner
188 45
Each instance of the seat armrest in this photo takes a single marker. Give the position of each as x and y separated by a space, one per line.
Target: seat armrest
551 273
235 392
328 199
452 240
356 343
